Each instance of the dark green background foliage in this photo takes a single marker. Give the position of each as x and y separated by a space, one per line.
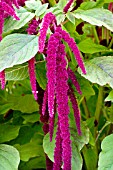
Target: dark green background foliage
22 142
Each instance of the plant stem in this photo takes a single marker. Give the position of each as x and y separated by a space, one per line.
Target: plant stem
96 35
86 110
110 44
99 103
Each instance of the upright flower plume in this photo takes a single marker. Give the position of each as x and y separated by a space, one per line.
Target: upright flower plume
74 80
66 8
75 108
63 108
48 19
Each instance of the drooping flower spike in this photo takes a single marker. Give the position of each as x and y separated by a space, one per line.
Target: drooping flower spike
75 109
2 79
63 108
48 19
66 8
74 80
53 43
32 29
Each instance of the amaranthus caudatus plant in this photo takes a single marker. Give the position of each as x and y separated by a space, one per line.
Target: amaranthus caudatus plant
55 109
58 87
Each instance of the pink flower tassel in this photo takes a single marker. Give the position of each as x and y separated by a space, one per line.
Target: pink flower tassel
70 41
44 104
31 66
2 79
66 8
51 126
51 70
9 10
58 150
48 19
63 108
75 108
74 80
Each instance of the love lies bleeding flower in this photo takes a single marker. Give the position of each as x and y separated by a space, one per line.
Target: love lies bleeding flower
66 8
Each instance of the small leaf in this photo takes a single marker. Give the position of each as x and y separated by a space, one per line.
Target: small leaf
61 4
100 70
41 10
9 157
33 5
8 132
60 18
11 24
88 46
106 155
16 49
71 17
17 73
109 97
32 118
96 16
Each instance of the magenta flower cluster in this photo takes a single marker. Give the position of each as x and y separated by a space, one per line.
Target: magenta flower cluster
66 8
58 89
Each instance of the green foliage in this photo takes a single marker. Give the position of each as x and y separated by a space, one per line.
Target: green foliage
105 157
9 157
22 141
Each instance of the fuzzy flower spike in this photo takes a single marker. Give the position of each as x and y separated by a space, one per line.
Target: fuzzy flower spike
48 19
66 8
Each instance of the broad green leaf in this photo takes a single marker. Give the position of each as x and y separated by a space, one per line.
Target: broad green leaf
31 118
16 49
100 70
109 97
77 144
9 157
41 74
106 155
90 157
96 16
25 17
87 5
17 73
88 46
34 163
71 17
42 9
29 150
25 104
8 132
33 4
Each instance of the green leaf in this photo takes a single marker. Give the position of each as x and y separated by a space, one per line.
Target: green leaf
71 17
61 4
32 118
88 46
109 97
25 104
60 18
33 5
11 24
9 157
100 70
16 49
17 73
96 16
8 132
41 74
106 155
29 150
41 9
